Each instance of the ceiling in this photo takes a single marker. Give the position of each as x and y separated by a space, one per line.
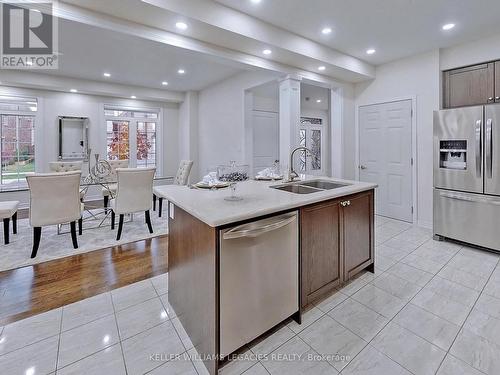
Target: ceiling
219 31
87 52
310 94
395 28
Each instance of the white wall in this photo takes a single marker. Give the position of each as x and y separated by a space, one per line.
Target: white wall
188 131
414 77
347 119
262 103
476 52
221 121
53 104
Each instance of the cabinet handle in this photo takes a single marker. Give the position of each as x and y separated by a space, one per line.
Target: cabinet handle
345 203
490 99
497 98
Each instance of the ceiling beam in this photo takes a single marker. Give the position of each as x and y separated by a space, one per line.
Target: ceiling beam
234 21
98 17
17 78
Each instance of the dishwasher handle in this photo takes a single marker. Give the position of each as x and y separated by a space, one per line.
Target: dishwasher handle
251 230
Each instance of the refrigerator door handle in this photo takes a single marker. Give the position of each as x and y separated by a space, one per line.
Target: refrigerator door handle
478 148
489 148
469 198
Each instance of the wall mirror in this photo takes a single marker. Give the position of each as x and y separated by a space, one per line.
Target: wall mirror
73 138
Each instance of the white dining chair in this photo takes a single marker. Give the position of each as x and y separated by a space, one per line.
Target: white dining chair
54 199
133 194
65 166
110 189
68 166
181 178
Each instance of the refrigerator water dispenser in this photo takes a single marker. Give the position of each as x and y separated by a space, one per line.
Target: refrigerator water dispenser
453 154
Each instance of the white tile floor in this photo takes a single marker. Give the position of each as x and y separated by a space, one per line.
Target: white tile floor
430 308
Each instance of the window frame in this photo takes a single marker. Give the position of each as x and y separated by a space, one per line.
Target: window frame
133 126
35 134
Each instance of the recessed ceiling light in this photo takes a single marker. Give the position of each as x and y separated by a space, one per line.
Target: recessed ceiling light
370 51
256 1
321 68
181 25
267 52
133 97
326 30
181 71
106 75
164 83
73 90
318 100
448 26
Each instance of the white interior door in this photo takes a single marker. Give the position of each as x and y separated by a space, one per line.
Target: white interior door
385 152
265 140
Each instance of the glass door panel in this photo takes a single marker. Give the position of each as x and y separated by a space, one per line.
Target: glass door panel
117 140
311 138
146 144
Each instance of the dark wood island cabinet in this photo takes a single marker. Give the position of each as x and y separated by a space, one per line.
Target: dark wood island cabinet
335 241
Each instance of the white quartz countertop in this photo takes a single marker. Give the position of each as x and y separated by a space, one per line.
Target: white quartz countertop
259 199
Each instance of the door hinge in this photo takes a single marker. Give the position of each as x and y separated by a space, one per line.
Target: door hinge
411 209
411 161
411 112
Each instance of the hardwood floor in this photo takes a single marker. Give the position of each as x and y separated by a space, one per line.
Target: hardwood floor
34 289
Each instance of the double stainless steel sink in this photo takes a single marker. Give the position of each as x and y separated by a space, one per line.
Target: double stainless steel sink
308 187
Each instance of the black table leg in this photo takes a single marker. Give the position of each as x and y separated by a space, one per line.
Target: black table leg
160 206
14 223
154 202
6 230
106 200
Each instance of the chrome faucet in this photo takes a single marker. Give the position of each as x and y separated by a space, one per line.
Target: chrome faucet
291 172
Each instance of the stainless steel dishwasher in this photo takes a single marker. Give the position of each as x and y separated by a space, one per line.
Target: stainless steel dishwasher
259 278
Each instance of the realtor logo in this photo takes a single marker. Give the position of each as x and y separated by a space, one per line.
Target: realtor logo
29 35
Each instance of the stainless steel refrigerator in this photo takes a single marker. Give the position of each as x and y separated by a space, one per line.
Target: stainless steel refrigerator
467 175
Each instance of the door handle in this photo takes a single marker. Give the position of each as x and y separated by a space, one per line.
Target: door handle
488 148
478 148
248 230
362 167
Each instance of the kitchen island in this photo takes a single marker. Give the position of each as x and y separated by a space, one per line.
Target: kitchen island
307 241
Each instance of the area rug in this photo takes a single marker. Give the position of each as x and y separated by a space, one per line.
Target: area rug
53 246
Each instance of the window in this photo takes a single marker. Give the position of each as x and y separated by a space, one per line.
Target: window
131 134
17 146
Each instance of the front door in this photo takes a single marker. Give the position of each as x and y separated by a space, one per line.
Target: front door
385 154
312 135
